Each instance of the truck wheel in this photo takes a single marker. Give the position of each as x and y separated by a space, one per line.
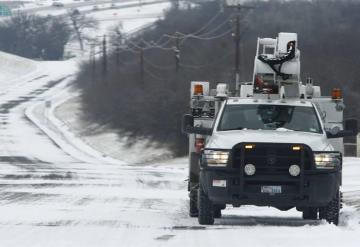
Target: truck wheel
193 207
322 213
217 213
310 214
217 210
332 210
205 206
193 170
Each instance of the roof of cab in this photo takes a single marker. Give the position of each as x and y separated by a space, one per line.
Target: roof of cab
254 101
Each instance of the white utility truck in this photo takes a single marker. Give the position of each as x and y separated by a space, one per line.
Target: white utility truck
273 142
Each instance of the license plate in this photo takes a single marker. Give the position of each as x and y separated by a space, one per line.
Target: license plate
219 183
271 189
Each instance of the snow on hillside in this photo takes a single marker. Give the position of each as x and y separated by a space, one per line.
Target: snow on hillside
105 140
68 116
131 18
14 67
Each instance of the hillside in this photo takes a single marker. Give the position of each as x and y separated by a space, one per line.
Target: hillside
12 67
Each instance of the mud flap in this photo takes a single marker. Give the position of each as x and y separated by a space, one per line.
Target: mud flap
194 170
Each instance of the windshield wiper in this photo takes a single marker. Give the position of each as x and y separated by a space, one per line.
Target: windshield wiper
237 128
283 129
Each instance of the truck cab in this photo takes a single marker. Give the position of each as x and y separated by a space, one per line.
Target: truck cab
274 142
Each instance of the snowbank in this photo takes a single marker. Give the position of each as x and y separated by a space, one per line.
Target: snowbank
68 116
14 67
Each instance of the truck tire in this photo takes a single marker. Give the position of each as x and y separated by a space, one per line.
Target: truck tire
332 211
217 210
322 213
217 213
205 206
310 213
193 205
194 170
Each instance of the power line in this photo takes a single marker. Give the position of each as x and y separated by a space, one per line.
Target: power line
160 48
187 36
128 49
149 47
170 37
215 29
161 67
209 38
155 76
218 61
207 24
164 43
157 46
139 46
130 64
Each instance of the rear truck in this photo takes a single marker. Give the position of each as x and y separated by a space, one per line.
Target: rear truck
274 141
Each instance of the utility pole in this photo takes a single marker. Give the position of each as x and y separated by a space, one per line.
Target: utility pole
142 63
177 52
92 52
237 49
92 60
236 4
176 4
104 57
117 53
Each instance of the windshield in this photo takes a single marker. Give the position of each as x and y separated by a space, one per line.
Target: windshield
270 117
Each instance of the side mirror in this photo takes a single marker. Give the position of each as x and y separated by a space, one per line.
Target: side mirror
351 129
187 123
187 126
352 125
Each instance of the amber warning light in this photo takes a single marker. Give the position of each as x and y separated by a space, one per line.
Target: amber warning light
198 89
336 93
249 146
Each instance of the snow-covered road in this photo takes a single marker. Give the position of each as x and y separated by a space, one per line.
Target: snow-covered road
49 198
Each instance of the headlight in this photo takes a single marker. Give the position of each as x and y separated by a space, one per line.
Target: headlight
216 158
327 160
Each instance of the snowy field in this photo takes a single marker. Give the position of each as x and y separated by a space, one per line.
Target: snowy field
59 187
129 19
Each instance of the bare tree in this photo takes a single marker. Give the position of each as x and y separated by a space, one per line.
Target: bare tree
116 34
81 23
32 36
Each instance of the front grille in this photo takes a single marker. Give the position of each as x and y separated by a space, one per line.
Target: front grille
272 162
270 158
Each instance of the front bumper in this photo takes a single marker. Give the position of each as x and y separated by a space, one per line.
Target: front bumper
316 189
311 188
